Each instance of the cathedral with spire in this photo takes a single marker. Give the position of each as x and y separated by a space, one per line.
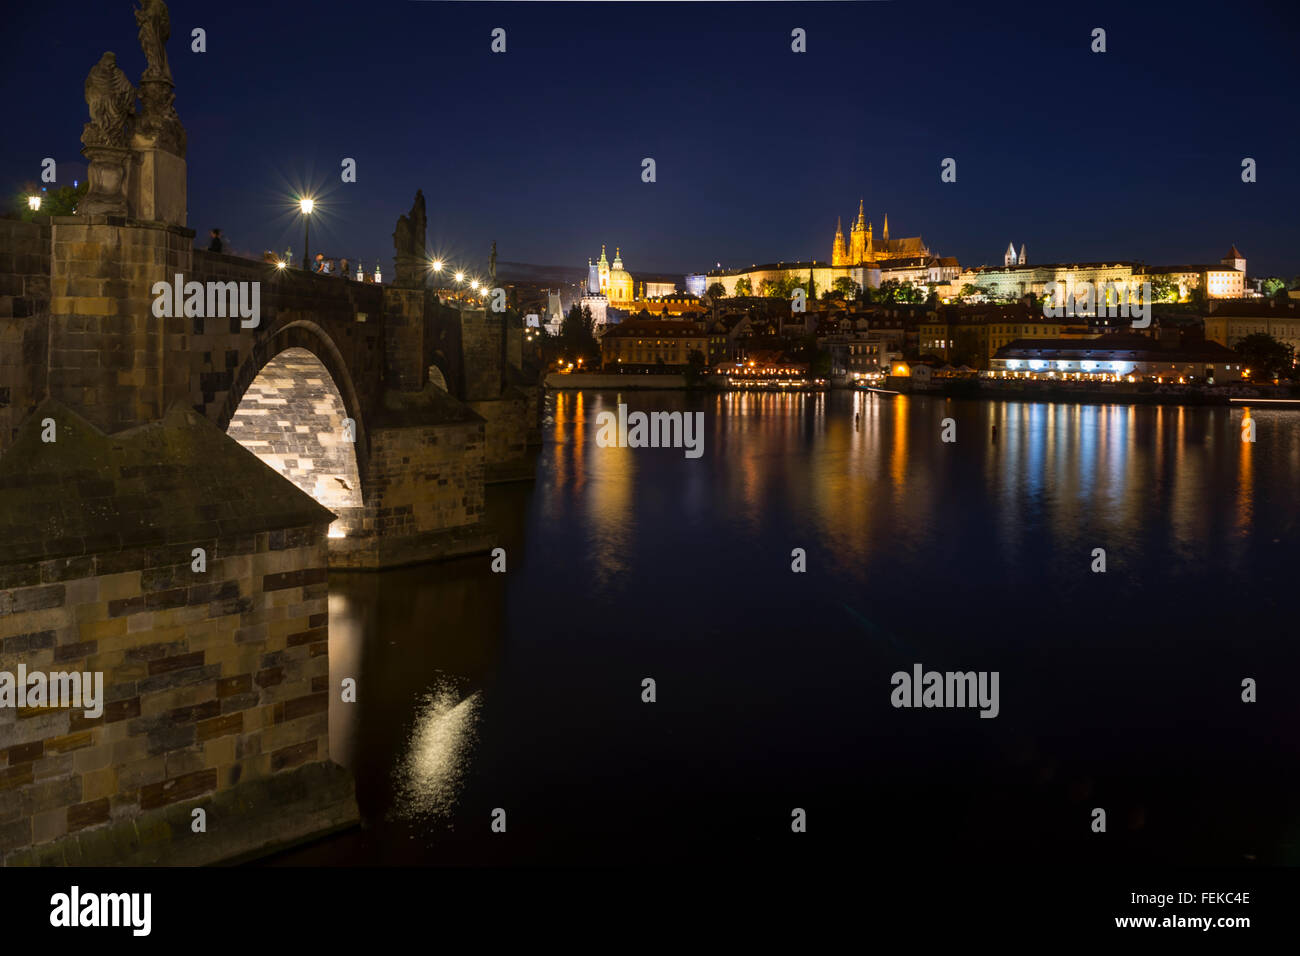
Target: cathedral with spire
863 247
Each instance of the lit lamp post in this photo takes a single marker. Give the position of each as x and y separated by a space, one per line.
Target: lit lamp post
34 202
306 205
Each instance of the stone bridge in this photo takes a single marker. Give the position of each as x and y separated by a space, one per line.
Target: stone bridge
332 387
145 546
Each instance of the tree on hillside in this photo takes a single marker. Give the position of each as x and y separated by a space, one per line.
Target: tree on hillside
744 286
849 288
888 291
717 291
578 334
1265 356
696 364
891 290
1163 289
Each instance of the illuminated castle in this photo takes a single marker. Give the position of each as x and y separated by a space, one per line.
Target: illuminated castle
863 247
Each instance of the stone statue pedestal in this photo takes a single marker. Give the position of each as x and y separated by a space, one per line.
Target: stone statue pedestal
108 174
157 186
410 272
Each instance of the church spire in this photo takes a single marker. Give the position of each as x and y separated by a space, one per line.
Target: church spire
862 216
885 234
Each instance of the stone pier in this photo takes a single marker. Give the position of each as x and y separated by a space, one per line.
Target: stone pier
193 579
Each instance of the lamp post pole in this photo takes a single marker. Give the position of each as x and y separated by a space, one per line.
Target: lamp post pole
306 206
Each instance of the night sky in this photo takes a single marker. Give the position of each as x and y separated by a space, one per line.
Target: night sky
1131 154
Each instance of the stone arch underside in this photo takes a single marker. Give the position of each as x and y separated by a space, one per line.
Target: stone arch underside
292 416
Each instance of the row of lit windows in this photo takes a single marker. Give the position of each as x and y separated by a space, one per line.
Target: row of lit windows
1012 330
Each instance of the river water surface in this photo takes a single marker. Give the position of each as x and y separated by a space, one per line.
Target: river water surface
1120 690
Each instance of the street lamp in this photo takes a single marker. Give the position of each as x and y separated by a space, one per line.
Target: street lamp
306 205
437 265
34 202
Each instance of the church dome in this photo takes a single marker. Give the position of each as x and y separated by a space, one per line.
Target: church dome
620 281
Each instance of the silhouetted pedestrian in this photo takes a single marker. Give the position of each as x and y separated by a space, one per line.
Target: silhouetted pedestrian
217 244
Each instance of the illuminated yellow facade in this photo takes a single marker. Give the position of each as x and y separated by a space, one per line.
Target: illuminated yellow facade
979 333
653 342
619 287
1230 323
1223 280
863 247
615 282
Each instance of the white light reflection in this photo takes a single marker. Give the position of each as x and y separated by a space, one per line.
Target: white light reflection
430 775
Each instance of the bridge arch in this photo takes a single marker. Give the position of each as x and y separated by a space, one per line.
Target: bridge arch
293 404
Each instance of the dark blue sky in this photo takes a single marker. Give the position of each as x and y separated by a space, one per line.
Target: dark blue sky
1132 154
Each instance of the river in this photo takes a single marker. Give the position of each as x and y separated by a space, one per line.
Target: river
522 691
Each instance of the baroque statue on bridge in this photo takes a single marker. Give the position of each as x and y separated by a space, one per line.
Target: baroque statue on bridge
409 245
155 30
159 125
105 140
111 99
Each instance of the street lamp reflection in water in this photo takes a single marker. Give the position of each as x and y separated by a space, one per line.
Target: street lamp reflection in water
431 773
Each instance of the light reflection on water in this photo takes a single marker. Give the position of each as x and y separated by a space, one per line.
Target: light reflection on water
429 778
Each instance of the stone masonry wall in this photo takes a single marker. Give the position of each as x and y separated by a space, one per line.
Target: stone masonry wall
108 355
210 679
224 358
481 344
24 320
424 478
404 325
505 435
